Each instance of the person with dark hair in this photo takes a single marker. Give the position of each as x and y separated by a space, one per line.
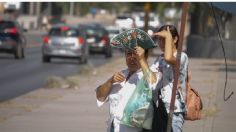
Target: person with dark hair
119 88
164 66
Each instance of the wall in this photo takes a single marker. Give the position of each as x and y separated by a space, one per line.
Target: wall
201 47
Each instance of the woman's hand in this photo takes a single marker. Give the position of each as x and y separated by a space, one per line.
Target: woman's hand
103 90
117 77
169 45
140 52
164 33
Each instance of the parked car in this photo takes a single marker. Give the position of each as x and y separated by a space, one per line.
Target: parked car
98 39
112 31
12 39
55 20
153 20
65 41
124 22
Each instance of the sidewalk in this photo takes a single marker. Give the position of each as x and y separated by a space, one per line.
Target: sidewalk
76 110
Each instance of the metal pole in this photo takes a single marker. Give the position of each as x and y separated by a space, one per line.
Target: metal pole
147 7
38 8
1 8
31 11
71 8
176 74
49 12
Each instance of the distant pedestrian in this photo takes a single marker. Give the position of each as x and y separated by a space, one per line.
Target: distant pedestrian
45 22
93 11
39 22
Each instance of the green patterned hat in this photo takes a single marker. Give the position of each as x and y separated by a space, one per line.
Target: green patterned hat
130 38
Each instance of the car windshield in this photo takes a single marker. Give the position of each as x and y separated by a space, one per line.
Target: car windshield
150 18
6 24
67 32
113 31
122 17
95 31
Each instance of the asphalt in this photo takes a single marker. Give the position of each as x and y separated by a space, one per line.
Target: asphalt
67 110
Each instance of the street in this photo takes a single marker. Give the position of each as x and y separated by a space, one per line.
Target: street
21 76
60 110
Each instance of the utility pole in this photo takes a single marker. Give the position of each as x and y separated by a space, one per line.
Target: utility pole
31 10
1 8
147 8
176 74
72 8
38 8
49 9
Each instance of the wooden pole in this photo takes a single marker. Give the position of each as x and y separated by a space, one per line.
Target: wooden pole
147 7
176 74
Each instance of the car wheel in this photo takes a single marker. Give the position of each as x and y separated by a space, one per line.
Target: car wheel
108 53
23 53
85 55
46 59
19 52
83 59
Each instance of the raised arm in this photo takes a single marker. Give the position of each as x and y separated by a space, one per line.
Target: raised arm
149 75
169 43
103 90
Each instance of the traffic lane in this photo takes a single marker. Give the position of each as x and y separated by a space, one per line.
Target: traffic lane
21 76
34 38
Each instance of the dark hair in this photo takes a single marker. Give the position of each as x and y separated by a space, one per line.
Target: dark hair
146 53
173 31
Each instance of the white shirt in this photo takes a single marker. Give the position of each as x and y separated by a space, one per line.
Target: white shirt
118 98
165 83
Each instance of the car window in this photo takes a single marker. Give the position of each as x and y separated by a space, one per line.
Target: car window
96 31
150 18
121 17
91 32
64 32
71 33
55 32
113 31
6 24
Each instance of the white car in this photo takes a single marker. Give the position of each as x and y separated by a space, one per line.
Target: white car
113 31
124 22
153 20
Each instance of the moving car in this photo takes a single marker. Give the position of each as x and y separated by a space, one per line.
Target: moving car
64 41
124 22
153 20
113 31
12 39
97 38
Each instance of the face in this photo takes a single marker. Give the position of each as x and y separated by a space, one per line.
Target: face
161 43
132 60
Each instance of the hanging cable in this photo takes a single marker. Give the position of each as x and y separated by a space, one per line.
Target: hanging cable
226 67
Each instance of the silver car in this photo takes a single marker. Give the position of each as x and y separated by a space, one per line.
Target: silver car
64 41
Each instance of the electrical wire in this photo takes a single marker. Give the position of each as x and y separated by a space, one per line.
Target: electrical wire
223 49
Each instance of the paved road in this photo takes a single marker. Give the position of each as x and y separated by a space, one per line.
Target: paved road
77 111
21 76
